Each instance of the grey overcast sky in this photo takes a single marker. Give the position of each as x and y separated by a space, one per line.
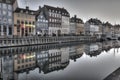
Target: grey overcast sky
105 10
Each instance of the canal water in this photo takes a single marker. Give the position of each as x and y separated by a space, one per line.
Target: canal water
76 61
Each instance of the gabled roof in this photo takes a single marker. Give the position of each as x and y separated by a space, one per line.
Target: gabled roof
31 12
94 21
76 20
39 11
117 25
58 10
107 24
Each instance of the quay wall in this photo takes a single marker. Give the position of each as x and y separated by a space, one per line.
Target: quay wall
36 40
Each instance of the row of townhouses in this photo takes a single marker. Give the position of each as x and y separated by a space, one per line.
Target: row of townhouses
48 21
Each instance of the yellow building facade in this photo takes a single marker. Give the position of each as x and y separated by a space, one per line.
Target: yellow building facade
24 22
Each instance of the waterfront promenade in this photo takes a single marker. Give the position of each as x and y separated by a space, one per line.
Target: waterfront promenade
37 40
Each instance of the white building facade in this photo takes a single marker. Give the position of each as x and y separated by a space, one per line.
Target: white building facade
76 26
72 28
65 22
58 20
93 27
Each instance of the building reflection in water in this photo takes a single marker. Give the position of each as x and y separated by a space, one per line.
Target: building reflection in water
76 51
47 58
93 49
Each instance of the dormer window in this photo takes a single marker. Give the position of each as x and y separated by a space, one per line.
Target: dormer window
49 10
21 11
32 13
41 16
27 12
52 10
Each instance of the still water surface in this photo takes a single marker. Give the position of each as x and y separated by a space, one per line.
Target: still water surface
91 61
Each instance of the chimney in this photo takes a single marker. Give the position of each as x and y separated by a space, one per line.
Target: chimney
39 7
75 16
27 7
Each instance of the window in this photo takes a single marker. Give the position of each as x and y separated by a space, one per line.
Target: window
0 28
21 11
22 66
49 10
43 20
4 6
46 20
30 16
27 12
49 25
10 21
41 16
52 10
38 24
33 22
9 13
50 20
22 60
32 13
4 12
55 20
18 28
26 16
0 12
0 5
5 20
26 60
18 62
30 29
10 7
26 22
18 15
18 22
18 67
38 20
29 22
10 30
4 29
22 22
